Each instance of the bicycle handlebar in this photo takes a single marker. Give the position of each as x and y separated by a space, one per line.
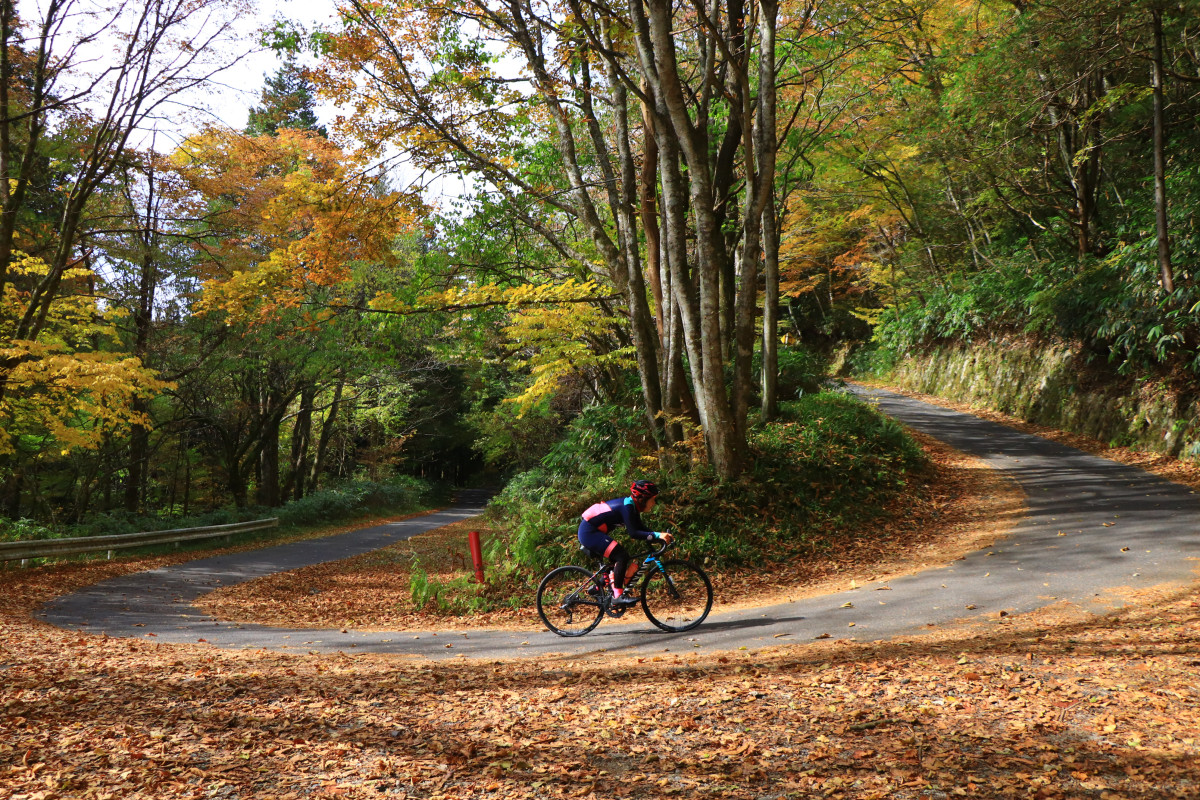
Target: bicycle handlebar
662 548
652 553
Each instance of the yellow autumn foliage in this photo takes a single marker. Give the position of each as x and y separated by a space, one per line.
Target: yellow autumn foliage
552 328
59 390
555 341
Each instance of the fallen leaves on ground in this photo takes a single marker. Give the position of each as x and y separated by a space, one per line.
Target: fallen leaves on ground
1060 704
963 506
1066 703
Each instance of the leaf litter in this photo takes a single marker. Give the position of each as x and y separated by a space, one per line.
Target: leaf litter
1067 702
964 507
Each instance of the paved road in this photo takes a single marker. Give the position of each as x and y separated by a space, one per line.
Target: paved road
1124 528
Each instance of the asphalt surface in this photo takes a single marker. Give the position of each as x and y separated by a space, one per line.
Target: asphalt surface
1091 525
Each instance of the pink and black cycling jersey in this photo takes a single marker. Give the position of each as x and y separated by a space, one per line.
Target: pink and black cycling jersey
599 520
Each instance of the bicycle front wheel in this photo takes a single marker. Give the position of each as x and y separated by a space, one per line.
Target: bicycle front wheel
565 604
677 596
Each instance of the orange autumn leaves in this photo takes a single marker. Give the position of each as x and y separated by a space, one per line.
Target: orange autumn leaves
286 218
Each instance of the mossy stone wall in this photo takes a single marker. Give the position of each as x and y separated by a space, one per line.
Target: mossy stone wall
1044 384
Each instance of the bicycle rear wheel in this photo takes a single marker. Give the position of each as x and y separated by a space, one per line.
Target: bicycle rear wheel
564 603
676 597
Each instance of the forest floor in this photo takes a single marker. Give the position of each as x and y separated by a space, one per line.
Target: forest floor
1059 703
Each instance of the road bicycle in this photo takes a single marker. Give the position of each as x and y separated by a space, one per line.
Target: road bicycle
676 595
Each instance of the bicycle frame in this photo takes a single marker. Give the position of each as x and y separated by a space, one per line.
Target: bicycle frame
650 561
575 590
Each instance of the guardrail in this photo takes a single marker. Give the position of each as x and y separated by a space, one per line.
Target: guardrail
45 548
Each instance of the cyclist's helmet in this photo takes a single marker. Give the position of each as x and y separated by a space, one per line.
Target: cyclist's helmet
641 491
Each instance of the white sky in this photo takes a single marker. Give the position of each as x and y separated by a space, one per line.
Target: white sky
238 88
232 105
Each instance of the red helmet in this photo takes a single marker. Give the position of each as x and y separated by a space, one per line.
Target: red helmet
642 491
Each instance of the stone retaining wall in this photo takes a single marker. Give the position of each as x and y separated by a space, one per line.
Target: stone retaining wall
1043 384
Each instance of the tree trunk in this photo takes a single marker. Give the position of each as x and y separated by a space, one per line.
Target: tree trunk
684 293
235 482
268 460
318 465
187 474
658 58
143 318
770 342
767 144
12 494
301 436
1160 162
648 186
139 448
645 334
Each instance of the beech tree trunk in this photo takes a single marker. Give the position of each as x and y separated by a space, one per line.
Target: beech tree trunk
767 145
1160 161
301 436
318 465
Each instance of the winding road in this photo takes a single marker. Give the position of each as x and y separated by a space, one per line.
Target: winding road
1120 527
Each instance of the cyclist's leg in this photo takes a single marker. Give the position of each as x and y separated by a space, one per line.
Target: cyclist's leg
620 561
602 545
596 541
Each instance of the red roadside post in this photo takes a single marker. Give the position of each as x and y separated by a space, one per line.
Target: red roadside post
476 554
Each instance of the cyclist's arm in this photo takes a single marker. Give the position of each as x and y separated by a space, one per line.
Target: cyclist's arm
635 526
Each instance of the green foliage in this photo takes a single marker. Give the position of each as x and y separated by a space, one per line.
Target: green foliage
27 530
347 501
1013 295
420 588
802 370
1115 305
458 596
825 469
1003 184
1143 325
355 498
511 439
288 101
600 435
540 536
872 360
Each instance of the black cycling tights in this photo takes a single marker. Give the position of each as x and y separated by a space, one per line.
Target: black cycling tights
620 561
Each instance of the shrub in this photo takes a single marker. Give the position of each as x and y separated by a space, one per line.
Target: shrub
457 596
25 530
401 493
829 464
802 371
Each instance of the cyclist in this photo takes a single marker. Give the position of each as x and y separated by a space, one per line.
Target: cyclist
599 520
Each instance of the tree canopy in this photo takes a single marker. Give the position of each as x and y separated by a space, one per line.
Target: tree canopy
660 203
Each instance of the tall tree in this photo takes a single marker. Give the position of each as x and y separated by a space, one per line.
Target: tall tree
51 76
283 220
77 81
288 101
421 76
